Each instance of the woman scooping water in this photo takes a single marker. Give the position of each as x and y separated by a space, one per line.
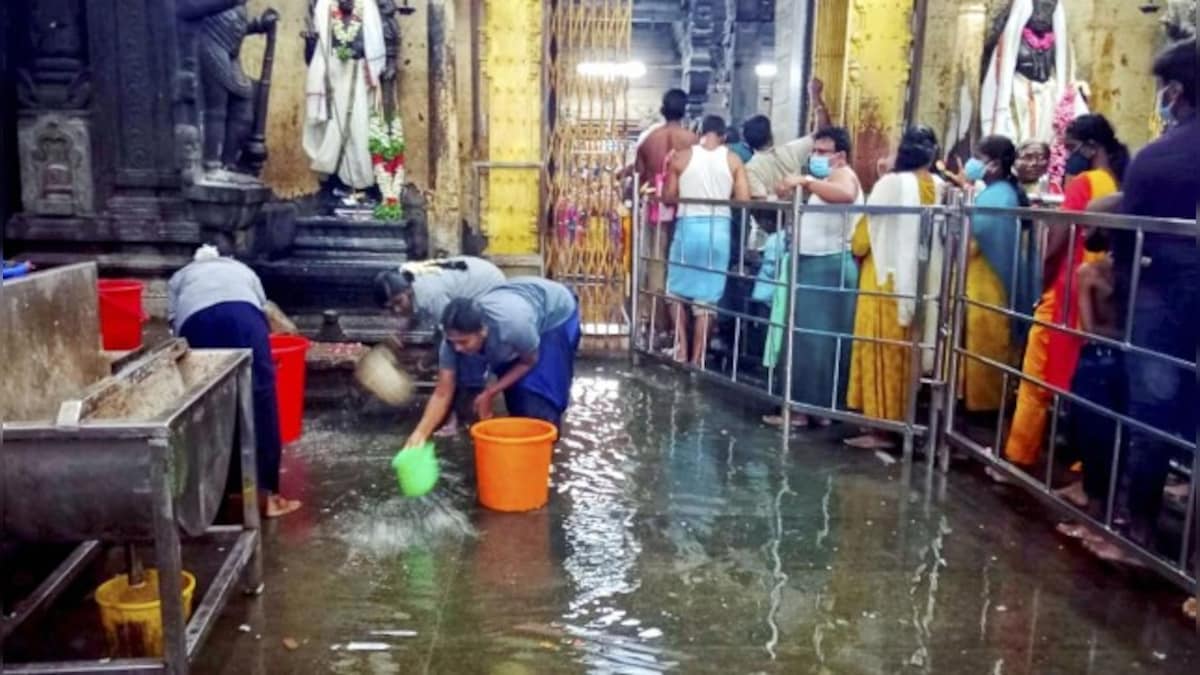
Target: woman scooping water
528 330
418 292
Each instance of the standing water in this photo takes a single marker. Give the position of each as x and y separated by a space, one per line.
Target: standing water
679 537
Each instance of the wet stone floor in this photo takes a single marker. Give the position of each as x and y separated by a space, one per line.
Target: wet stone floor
679 538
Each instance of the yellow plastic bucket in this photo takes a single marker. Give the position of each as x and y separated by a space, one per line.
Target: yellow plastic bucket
131 616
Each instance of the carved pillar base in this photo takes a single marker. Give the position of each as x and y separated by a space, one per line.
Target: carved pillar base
56 163
226 211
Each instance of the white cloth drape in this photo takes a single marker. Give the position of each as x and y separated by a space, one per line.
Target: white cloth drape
338 99
996 94
895 248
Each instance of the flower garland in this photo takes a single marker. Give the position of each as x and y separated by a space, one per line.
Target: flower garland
345 32
386 142
1039 43
1064 114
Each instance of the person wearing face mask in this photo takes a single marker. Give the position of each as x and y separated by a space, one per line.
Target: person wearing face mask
991 278
1094 169
824 261
1163 181
888 245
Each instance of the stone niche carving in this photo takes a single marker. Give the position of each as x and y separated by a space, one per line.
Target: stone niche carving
56 166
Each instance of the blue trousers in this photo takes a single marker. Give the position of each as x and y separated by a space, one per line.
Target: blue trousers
1166 318
1100 378
241 325
545 391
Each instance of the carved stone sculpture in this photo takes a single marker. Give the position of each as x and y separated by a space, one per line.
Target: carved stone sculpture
56 169
227 96
54 144
58 77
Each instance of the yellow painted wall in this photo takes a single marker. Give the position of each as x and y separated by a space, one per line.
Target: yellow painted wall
287 166
511 71
1114 47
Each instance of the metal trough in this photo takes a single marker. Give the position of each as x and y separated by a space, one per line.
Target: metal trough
141 455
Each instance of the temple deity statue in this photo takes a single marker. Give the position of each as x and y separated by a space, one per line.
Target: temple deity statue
1179 21
351 75
1029 73
228 96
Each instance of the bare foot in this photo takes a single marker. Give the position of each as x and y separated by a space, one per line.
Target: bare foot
450 428
1110 553
798 421
278 506
870 442
1074 494
1081 532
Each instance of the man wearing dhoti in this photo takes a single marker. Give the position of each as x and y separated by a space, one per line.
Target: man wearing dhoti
343 79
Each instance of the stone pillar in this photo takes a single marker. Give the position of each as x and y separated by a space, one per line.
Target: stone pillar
748 52
445 215
791 55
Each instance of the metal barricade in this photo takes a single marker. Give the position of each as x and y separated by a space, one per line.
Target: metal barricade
773 381
1182 565
939 338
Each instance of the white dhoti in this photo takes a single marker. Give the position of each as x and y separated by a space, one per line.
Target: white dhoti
339 96
340 143
1033 108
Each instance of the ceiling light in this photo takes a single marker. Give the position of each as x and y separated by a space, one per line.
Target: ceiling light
766 70
612 69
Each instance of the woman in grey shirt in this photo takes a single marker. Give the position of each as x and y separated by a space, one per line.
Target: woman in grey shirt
217 303
420 291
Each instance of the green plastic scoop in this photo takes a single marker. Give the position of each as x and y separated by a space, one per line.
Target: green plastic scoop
416 469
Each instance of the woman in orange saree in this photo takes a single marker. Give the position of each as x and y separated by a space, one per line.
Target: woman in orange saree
1096 163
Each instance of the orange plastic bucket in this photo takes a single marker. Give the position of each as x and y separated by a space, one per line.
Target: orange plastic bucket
121 314
288 352
512 462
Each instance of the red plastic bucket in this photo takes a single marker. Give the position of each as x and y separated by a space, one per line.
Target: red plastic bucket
121 314
288 352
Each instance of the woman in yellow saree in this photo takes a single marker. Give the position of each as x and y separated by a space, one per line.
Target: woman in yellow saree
994 274
887 245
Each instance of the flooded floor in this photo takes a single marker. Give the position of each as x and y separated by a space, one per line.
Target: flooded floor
679 537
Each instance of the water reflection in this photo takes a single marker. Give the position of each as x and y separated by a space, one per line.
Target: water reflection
681 537
596 480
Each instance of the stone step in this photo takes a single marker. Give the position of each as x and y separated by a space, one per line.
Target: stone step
306 243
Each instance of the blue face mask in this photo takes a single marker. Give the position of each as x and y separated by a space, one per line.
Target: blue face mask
1077 164
818 166
975 169
1164 108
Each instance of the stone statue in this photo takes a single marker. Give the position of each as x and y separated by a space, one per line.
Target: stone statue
228 97
1029 73
1180 20
351 48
